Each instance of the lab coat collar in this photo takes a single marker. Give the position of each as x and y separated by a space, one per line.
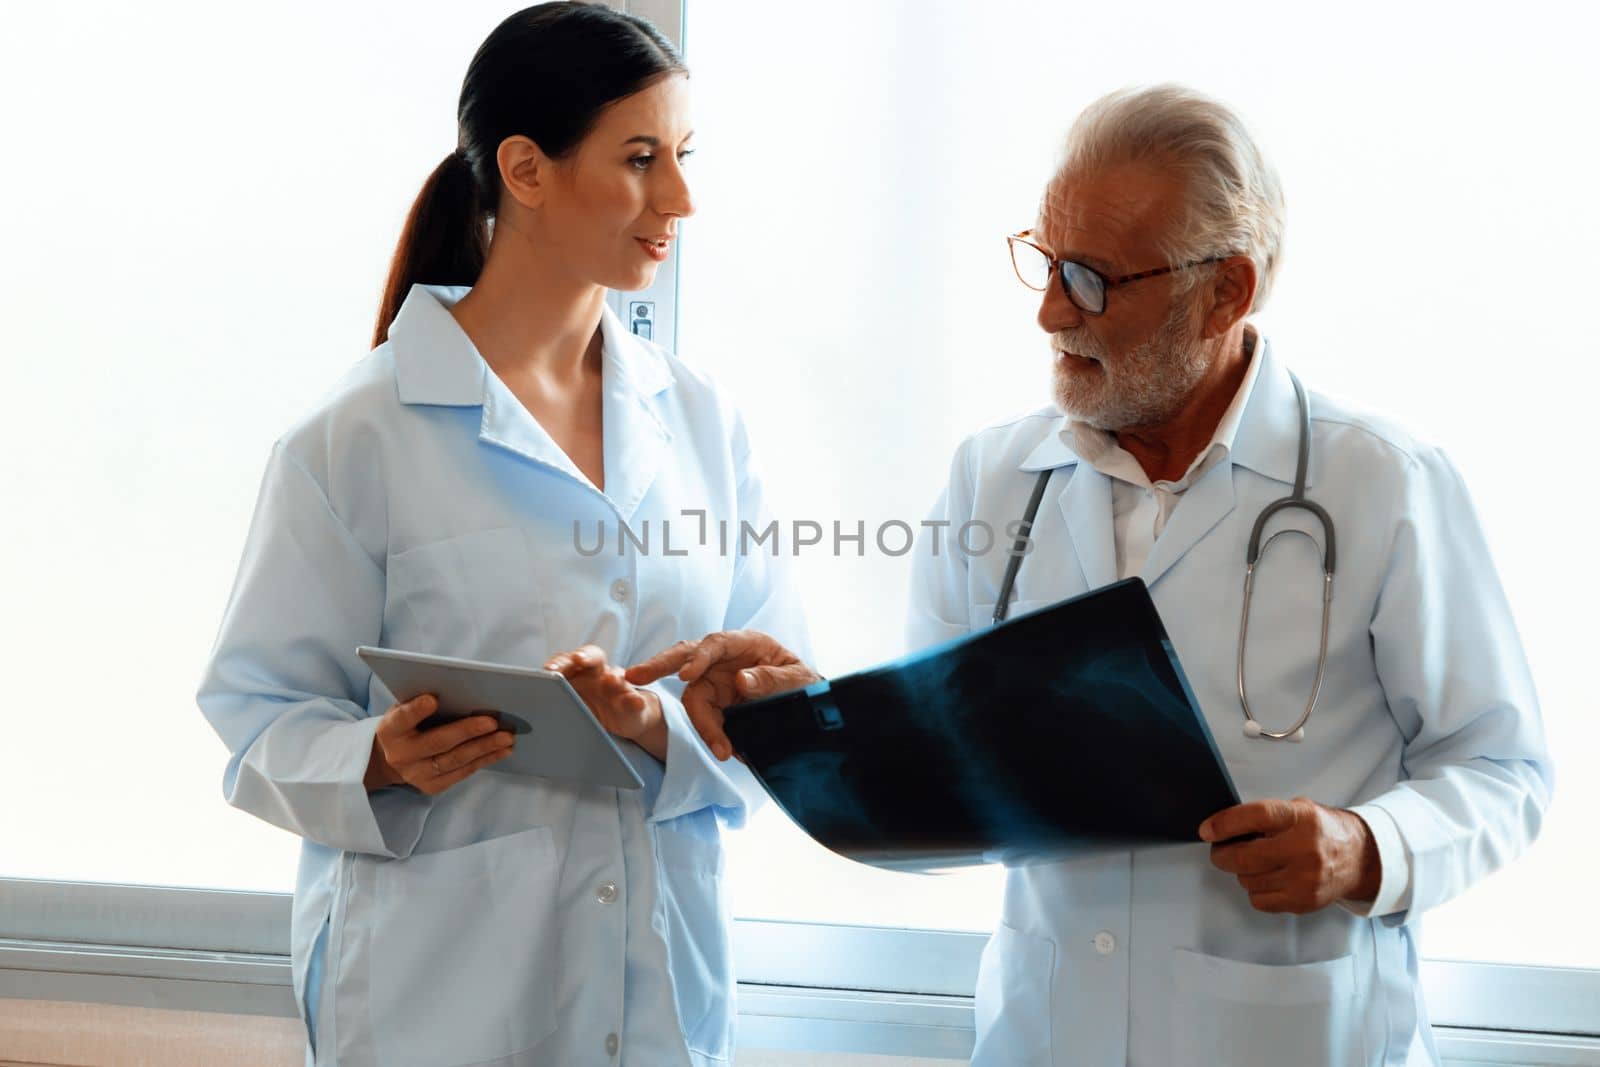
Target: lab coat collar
636 362
637 441
436 363
1053 451
1268 441
1084 497
434 360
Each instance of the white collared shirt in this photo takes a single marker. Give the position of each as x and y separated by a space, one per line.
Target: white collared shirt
1140 508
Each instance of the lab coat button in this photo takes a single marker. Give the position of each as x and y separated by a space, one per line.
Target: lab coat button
607 893
612 1044
1104 943
619 590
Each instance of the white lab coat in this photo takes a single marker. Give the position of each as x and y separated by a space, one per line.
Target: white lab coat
509 921
1427 714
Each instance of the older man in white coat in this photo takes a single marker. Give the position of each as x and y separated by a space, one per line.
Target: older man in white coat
1286 935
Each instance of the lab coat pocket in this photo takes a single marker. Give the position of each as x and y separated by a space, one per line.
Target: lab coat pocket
474 595
444 989
1013 1000
698 930
1259 1015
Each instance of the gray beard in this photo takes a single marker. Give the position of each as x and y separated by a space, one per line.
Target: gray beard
1138 388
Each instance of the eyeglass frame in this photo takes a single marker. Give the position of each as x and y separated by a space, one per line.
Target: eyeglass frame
1106 284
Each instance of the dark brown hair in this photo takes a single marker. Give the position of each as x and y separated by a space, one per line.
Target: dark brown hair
545 73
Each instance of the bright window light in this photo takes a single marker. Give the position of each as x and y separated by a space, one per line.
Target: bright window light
847 277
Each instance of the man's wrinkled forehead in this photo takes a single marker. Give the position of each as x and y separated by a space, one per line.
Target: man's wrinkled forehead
1111 215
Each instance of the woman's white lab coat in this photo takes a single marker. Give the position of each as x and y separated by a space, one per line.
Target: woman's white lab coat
1427 719
509 920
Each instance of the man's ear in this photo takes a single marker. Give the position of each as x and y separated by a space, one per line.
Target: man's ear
525 170
1232 292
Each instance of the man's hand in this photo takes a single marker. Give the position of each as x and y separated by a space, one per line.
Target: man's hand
723 669
1304 856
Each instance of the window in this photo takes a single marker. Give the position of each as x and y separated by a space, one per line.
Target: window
847 277
206 205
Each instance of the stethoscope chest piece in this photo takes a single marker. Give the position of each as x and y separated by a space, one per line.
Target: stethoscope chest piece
1253 729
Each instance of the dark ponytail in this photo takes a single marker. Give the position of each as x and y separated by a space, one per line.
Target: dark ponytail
545 73
445 240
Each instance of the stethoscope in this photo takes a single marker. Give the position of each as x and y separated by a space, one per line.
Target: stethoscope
1297 499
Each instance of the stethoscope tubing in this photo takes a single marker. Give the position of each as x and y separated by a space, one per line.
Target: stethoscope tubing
1253 554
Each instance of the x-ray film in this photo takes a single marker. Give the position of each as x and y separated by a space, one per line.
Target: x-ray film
1063 732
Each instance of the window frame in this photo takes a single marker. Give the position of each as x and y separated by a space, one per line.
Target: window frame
802 986
818 987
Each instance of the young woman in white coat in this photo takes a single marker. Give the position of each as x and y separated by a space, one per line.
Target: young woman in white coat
447 497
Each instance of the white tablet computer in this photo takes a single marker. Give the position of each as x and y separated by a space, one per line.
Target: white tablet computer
556 736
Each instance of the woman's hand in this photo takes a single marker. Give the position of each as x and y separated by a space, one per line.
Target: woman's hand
432 760
623 709
723 669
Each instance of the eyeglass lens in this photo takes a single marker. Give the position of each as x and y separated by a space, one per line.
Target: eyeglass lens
1033 267
1084 287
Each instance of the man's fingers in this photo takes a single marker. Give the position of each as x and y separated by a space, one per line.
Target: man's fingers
725 649
711 650
1274 901
687 659
1256 817
1272 882
667 661
1257 857
754 683
707 720
699 661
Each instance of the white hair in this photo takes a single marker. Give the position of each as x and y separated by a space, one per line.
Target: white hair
1233 202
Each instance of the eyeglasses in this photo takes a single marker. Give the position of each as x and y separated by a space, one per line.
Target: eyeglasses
1084 286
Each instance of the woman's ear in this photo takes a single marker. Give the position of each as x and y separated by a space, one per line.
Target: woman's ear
1232 293
525 171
